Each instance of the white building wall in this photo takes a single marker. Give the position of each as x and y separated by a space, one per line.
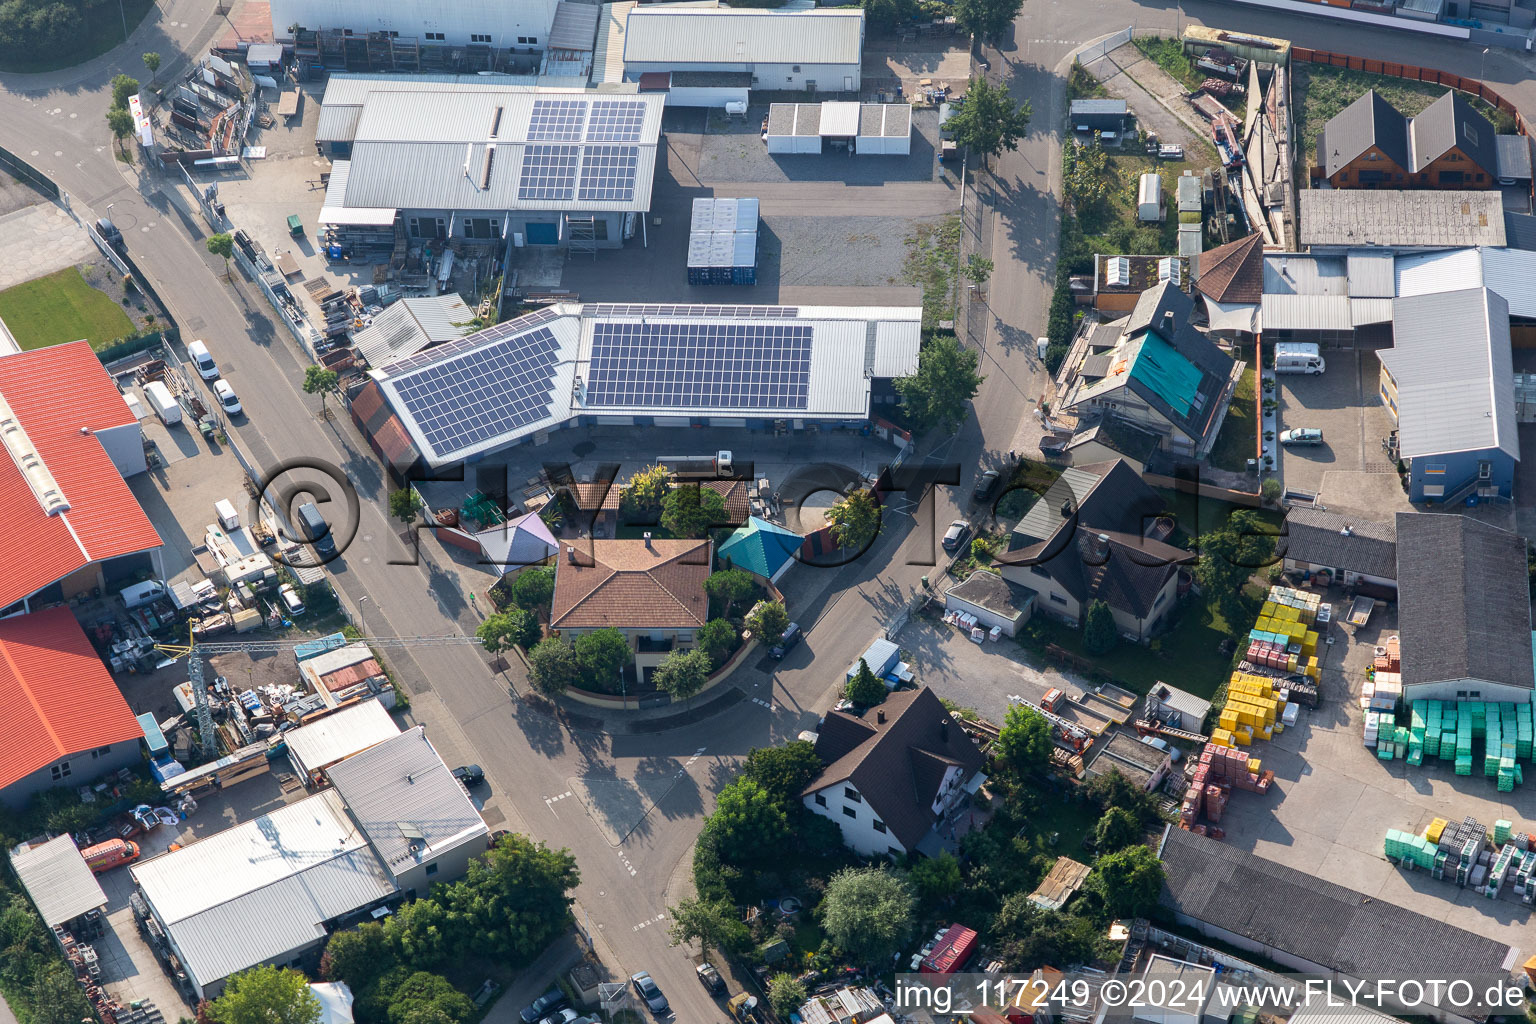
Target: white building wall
503 20
1467 689
790 77
856 818
702 96
125 447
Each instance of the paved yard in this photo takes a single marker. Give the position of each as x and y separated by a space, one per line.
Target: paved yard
732 149
1349 472
1334 800
39 239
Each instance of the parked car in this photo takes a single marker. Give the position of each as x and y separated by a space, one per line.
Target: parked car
792 635
470 775
710 979
1301 435
956 535
562 1016
316 530
226 395
650 993
986 486
540 1007
292 604
203 360
109 233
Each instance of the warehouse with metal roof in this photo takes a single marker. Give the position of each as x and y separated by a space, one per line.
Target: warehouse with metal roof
812 50
57 878
637 365
456 159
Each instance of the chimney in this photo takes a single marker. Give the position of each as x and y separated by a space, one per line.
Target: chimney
570 554
880 717
1346 531
944 729
1168 319
647 538
1093 547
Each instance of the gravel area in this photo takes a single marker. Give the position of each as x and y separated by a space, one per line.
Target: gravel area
866 251
732 150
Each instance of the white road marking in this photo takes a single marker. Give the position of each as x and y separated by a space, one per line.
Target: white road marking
764 703
648 922
627 864
550 801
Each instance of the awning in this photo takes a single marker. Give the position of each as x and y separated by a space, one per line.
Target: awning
977 781
360 216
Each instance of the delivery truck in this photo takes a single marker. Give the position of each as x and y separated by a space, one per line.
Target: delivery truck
163 402
697 466
110 854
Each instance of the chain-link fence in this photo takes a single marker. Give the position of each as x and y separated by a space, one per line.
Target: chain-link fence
29 174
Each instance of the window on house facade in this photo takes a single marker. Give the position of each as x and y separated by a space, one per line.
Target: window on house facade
523 40
821 801
1039 572
849 812
1434 469
1058 599
852 794
479 37
894 851
435 37
880 826
59 771
431 870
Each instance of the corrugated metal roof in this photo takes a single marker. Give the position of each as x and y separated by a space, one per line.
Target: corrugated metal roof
1306 313
340 734
1509 272
56 877
1455 379
839 118
1300 274
574 27
1370 311
1371 275
1404 219
337 123
413 324
1191 240
1514 156
669 35
402 784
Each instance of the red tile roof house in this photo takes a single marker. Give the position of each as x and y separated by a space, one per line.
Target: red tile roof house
72 524
63 718
652 591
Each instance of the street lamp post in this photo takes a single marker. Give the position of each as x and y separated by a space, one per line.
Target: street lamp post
362 616
124 15
1482 72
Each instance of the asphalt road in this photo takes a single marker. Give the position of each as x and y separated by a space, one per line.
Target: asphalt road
532 760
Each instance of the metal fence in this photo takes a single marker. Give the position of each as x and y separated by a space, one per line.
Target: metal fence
302 333
29 174
1092 53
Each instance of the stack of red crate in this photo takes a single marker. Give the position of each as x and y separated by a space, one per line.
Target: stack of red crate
1215 802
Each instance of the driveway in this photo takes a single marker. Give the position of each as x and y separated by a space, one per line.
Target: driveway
979 677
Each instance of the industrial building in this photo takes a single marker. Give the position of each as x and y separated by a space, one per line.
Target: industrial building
488 162
1334 220
413 324
636 365
865 129
321 743
519 25
817 50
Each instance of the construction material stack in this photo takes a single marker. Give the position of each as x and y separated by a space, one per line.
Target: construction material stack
722 243
1284 637
1254 708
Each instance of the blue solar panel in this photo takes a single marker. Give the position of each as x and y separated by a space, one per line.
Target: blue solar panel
763 366
549 172
608 173
557 120
460 402
615 121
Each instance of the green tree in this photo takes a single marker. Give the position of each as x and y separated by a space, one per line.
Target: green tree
404 503
266 995
1024 742
152 61
682 674
888 14
865 689
729 587
768 621
1270 490
424 933
534 587
938 394
1085 173
990 122
1116 830
1128 881
713 924
1100 634
602 655
358 956
783 771
978 269
552 666
868 913
513 902
786 994
317 379
937 878
121 123
122 88
855 520
223 245
986 19
1112 789
748 823
1228 556
425 997
690 510
55 996
1026 936
640 499
501 631
716 638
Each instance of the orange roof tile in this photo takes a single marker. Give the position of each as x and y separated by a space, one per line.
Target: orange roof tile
60 395
56 696
627 585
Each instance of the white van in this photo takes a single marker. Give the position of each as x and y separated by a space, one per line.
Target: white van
143 593
1298 357
206 367
163 402
228 517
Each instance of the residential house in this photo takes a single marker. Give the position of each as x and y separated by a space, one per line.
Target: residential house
651 590
893 773
1159 373
1365 145
1369 144
1119 281
1453 146
1106 438
1448 381
1229 280
63 718
1351 550
1093 536
1463 610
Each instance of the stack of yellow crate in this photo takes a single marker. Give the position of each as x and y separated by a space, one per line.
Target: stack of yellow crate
1252 707
1223 738
1435 828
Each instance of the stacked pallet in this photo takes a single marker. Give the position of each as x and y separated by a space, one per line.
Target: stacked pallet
1254 709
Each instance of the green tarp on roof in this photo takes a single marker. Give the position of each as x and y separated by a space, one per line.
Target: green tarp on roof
1172 377
760 547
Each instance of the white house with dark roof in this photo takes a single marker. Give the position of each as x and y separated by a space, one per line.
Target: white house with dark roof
1352 550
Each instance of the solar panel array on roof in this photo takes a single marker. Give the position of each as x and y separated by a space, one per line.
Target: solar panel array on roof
494 389
557 120
700 366
598 309
608 172
549 172
615 121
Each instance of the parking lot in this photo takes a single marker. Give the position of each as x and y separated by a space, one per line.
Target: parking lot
1333 801
1349 472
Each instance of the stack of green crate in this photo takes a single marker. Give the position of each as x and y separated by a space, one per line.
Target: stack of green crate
1523 732
1432 728
1396 844
1479 712
1493 738
1385 747
1501 831
1416 719
1464 738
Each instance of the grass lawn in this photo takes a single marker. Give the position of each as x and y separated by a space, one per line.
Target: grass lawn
99 29
60 308
932 254
1239 440
1118 231
1169 55
1070 821
1322 91
1188 656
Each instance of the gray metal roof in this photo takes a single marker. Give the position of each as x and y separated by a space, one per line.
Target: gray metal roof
1452 122
1182 701
1302 274
1455 378
1306 313
1340 542
668 35
1100 107
1509 272
413 324
1371 275
1369 121
1514 156
574 27
402 785
1312 918
56 877
340 734
1404 219
1463 601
